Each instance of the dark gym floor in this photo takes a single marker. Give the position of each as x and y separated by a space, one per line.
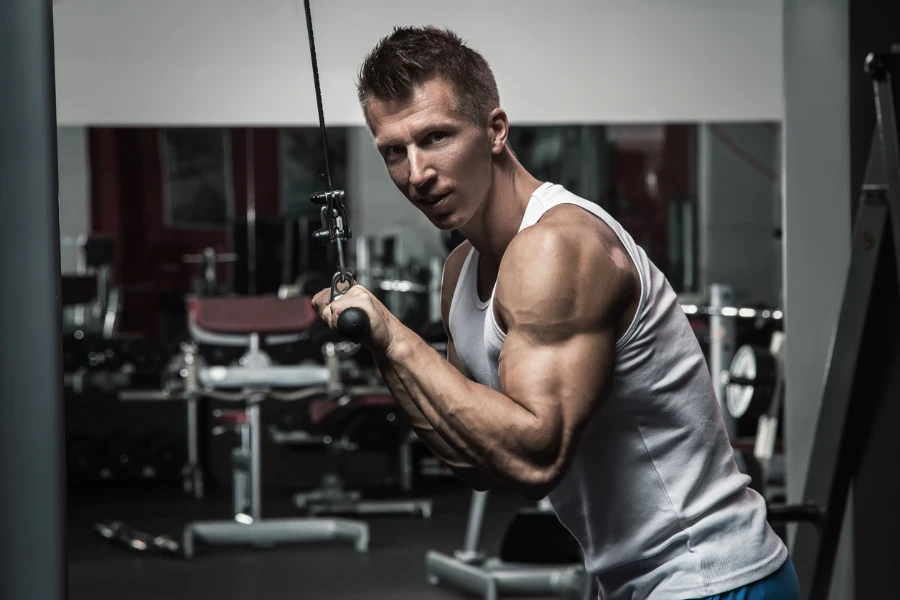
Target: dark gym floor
393 569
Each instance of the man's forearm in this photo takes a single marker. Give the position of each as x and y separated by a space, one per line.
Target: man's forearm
471 474
484 427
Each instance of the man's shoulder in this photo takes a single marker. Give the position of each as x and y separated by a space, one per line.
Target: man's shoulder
569 218
566 254
566 232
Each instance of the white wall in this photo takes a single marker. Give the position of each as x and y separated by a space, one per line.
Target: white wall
816 225
164 62
74 190
740 208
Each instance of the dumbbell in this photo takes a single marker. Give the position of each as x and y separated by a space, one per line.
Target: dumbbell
139 541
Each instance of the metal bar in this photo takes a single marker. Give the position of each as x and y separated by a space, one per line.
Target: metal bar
193 482
495 578
276 376
688 242
830 465
150 396
32 428
111 315
470 578
251 216
240 479
103 285
473 526
722 345
275 531
406 465
742 312
415 507
255 461
529 580
885 105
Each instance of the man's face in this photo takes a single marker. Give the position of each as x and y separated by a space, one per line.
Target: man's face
435 156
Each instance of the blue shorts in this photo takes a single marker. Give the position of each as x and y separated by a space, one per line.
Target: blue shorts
780 585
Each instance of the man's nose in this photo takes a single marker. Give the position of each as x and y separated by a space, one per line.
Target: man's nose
420 171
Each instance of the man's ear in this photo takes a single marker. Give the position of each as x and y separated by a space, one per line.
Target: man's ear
498 124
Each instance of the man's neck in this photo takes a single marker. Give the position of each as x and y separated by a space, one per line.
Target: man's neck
493 227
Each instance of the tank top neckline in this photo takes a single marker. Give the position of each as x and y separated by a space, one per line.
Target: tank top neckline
475 257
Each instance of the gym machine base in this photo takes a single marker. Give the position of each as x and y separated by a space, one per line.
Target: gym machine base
492 578
860 383
275 531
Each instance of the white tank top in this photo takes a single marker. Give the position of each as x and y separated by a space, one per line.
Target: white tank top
654 495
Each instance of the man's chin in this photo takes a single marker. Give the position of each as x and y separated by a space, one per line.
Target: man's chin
445 222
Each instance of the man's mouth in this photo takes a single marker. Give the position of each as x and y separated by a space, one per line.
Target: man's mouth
435 200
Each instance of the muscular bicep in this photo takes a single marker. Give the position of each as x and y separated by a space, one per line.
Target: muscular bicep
561 314
561 380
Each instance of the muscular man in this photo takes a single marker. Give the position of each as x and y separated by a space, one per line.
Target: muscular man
572 372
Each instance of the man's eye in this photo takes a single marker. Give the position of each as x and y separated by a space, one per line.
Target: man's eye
438 136
394 151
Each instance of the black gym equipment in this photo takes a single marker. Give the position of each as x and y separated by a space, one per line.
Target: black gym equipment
97 313
855 441
107 365
370 423
32 430
555 544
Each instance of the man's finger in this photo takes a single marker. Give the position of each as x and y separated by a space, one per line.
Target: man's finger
319 301
346 301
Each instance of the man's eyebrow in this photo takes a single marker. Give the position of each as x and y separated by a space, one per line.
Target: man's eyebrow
438 126
381 143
